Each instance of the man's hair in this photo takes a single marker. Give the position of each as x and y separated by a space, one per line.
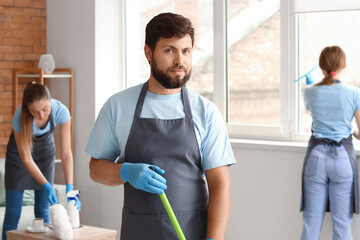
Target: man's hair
167 25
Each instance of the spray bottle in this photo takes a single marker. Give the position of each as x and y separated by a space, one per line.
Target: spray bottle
72 210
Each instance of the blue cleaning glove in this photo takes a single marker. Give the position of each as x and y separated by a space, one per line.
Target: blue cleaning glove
51 193
309 78
140 176
70 187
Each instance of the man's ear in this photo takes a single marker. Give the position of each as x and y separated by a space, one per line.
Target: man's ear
148 52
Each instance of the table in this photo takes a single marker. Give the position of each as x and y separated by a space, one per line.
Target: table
84 233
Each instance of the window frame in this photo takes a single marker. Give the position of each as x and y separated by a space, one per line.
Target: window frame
255 131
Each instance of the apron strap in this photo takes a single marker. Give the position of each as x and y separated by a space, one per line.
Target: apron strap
51 122
186 102
141 100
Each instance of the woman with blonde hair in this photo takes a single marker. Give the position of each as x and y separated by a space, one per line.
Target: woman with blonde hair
330 172
30 155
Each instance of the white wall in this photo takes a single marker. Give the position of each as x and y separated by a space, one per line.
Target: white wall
265 192
108 51
77 31
265 182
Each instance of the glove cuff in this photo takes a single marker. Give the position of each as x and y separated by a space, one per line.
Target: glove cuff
69 187
123 171
47 186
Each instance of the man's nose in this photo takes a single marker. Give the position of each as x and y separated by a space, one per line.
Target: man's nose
179 59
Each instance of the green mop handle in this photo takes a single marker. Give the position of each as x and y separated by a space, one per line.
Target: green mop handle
172 216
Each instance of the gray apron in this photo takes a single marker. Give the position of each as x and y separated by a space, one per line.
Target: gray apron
348 145
16 175
171 145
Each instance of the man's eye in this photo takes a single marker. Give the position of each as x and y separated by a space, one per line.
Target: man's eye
168 50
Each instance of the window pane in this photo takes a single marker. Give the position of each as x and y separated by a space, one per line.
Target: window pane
254 62
318 30
140 12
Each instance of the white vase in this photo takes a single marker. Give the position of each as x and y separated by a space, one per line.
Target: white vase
47 63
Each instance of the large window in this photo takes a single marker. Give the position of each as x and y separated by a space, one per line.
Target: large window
249 52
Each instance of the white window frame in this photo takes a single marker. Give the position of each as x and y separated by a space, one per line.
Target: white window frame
255 131
289 92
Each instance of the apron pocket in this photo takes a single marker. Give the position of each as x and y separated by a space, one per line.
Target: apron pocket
193 225
343 168
311 166
145 227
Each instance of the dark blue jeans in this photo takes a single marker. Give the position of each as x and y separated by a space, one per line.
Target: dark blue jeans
14 205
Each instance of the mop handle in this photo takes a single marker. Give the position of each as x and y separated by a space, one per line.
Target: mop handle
172 216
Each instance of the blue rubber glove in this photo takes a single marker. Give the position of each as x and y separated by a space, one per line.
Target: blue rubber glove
70 187
51 193
140 176
209 239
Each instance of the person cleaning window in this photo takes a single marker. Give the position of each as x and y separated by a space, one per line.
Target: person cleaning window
330 172
30 154
164 126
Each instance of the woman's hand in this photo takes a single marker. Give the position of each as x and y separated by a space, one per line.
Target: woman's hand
70 187
356 134
51 193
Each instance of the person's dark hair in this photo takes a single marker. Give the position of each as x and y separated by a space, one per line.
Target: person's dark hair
167 25
33 92
332 60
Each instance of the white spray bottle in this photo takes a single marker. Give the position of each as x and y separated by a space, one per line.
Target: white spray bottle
72 210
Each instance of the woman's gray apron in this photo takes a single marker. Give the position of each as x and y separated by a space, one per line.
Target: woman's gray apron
171 145
16 175
347 143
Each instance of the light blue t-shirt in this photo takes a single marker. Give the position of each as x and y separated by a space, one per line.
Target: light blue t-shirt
111 130
332 109
59 112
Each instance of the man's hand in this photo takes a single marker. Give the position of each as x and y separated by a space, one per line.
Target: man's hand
140 176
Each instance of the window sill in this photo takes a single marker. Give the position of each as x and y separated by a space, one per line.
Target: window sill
291 146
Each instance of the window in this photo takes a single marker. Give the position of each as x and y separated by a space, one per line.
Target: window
253 62
248 53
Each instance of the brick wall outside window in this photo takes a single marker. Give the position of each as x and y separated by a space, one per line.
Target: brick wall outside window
22 41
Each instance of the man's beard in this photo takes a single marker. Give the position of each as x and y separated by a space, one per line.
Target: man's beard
165 80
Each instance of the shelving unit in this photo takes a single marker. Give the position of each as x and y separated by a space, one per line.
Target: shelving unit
58 73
